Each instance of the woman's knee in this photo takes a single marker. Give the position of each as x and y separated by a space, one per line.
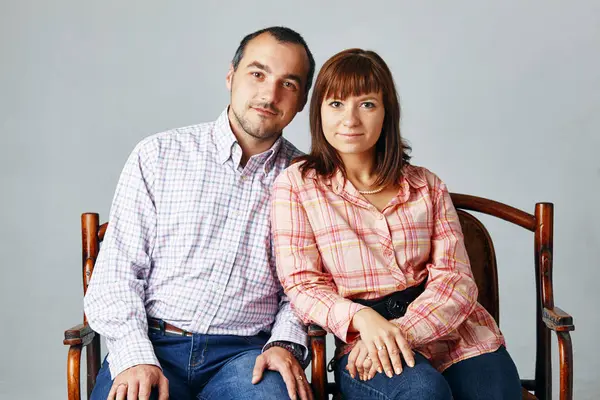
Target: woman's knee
491 376
421 382
426 384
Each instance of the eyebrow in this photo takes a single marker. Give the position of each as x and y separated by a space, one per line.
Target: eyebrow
366 97
360 98
266 68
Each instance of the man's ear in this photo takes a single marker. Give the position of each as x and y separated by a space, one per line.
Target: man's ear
229 77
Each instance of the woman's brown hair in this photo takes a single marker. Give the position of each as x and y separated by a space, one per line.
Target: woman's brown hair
356 72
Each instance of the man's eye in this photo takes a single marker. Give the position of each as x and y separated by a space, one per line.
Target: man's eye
289 85
257 74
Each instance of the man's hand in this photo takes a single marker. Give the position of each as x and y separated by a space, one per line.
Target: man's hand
137 382
280 360
359 362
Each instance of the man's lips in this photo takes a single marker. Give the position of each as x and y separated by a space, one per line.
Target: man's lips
264 111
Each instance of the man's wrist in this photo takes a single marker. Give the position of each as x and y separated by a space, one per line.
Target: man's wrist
295 349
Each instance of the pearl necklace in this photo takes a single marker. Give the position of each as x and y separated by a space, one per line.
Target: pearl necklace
371 191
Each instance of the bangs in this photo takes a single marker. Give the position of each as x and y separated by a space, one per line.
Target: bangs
353 75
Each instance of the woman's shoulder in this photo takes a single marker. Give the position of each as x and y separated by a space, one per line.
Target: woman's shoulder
419 176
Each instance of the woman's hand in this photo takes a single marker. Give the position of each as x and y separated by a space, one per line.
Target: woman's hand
384 342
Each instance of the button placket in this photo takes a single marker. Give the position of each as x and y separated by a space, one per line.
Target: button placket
385 238
219 287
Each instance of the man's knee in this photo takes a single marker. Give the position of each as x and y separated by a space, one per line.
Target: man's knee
234 380
271 386
103 383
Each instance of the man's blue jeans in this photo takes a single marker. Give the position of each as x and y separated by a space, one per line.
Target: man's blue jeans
490 376
207 367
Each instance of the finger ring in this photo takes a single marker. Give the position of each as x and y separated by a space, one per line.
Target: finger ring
379 347
300 378
122 383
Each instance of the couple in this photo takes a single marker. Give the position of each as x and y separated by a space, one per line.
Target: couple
209 222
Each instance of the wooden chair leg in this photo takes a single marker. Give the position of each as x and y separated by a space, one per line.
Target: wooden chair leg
93 363
73 372
565 353
318 368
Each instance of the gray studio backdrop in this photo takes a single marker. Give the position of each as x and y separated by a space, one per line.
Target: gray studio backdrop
500 98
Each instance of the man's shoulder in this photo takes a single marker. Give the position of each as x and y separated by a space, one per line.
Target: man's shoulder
288 152
176 139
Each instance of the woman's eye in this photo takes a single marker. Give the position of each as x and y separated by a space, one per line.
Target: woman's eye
335 104
368 104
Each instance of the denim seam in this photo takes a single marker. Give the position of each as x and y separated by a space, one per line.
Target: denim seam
194 337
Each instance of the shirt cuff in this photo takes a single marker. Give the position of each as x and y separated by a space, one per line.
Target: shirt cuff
409 333
129 351
299 341
339 319
295 349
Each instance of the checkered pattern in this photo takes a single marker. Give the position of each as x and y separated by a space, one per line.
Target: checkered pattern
333 246
188 241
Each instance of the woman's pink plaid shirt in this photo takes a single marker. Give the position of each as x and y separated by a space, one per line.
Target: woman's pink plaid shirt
333 246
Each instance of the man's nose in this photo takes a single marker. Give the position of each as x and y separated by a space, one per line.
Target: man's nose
269 92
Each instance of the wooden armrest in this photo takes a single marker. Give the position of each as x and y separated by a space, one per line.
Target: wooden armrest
557 320
316 331
79 335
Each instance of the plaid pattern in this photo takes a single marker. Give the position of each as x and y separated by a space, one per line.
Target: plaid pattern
188 241
333 246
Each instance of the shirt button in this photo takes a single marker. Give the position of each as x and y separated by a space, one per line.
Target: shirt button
388 253
380 216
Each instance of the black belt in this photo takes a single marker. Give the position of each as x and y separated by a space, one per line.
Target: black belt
394 305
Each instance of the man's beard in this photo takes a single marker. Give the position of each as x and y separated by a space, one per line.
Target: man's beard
253 131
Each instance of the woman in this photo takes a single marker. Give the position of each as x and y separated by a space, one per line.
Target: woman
370 247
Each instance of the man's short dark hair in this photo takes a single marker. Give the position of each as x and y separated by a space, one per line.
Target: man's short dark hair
282 35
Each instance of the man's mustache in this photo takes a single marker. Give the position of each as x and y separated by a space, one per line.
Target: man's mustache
267 106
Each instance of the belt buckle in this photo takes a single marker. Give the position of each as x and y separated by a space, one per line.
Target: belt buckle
186 333
396 307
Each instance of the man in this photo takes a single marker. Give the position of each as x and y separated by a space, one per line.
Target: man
185 289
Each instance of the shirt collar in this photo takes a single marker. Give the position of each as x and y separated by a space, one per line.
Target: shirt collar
224 137
226 142
271 155
414 176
